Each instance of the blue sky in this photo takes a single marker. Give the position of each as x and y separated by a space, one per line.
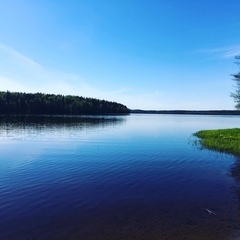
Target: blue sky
146 54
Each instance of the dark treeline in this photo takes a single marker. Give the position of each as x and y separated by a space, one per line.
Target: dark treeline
39 103
192 112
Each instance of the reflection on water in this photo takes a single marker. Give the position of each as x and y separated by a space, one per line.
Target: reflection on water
46 121
29 126
235 173
130 177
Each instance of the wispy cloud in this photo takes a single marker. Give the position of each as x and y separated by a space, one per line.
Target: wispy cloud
231 53
20 73
20 58
223 52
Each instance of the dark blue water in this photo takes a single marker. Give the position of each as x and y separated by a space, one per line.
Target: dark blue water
127 177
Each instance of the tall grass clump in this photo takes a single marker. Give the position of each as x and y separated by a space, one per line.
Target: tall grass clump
222 140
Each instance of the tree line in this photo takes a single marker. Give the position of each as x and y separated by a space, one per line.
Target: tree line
39 103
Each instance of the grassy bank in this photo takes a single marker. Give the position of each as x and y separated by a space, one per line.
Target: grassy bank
222 140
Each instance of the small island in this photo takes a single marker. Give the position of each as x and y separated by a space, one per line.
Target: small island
51 104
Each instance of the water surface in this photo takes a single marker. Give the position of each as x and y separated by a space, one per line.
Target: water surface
127 177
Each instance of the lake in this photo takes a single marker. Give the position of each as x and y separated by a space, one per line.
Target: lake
116 177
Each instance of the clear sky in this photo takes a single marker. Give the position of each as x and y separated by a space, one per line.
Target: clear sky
146 54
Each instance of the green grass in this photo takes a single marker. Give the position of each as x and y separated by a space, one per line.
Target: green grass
222 140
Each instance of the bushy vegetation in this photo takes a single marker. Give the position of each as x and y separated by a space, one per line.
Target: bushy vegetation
236 78
222 140
39 103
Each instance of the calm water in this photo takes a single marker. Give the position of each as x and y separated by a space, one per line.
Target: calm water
129 177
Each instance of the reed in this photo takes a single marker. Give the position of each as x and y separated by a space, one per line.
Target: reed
222 140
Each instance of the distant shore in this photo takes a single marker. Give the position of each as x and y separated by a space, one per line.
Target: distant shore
192 112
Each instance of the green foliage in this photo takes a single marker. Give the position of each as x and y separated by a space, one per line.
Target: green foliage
39 103
222 140
236 78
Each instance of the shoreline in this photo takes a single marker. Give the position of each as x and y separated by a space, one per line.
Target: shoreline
220 140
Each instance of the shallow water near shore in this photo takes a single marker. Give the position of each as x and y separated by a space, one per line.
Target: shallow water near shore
116 177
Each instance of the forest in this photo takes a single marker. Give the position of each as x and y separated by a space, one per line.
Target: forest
39 103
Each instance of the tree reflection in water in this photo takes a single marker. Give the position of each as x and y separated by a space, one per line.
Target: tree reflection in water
235 173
